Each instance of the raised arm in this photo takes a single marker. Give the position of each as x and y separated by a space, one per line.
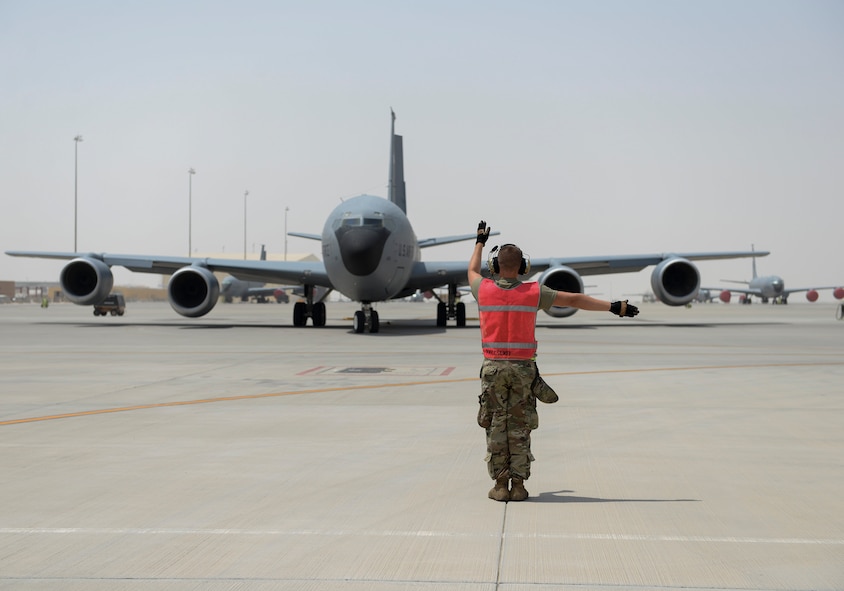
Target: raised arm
474 270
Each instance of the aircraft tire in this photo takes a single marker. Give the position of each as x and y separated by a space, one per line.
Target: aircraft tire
319 314
299 314
461 314
359 322
374 323
442 314
839 312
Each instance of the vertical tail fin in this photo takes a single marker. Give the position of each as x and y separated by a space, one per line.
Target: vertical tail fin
395 191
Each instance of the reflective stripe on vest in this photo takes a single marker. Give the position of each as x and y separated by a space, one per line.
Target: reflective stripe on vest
508 319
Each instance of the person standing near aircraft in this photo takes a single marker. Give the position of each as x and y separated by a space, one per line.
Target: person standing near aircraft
510 379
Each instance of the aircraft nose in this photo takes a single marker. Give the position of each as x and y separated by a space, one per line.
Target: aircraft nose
361 248
778 285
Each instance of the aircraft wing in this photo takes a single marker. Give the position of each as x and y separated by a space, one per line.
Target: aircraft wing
744 290
632 263
432 274
786 292
298 272
758 292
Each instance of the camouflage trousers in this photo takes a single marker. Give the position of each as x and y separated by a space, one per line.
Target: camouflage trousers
508 413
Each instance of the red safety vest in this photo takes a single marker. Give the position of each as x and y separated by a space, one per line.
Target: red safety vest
508 319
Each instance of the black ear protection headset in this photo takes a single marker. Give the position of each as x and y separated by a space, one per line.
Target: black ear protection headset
492 261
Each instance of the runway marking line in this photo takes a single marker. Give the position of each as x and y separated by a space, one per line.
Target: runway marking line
101 411
143 531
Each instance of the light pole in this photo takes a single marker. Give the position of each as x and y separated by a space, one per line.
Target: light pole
191 172
245 195
286 209
76 141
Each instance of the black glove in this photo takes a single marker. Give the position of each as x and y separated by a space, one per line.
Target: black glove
623 309
483 233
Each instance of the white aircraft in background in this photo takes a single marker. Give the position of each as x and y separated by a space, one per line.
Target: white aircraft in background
370 254
771 287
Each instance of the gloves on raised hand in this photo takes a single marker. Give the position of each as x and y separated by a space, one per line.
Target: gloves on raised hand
623 309
483 232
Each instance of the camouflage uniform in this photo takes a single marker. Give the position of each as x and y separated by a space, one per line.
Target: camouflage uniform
508 413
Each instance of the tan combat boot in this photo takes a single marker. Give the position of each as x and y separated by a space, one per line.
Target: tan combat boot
499 492
518 491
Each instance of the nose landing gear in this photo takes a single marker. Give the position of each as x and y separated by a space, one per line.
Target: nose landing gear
366 319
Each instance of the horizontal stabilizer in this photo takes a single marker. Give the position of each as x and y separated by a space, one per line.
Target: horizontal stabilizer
303 235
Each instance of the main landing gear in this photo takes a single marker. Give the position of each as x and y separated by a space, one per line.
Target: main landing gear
310 309
453 310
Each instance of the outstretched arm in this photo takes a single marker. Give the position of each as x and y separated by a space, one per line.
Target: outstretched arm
581 301
584 302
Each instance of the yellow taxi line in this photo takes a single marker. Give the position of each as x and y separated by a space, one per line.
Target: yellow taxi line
391 385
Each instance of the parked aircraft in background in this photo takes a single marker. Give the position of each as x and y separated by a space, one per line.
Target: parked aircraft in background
233 288
769 288
704 296
370 254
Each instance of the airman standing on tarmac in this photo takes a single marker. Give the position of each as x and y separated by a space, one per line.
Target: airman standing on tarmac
510 382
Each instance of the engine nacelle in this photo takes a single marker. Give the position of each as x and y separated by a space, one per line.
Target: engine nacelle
86 281
838 293
193 291
675 281
562 279
812 295
725 296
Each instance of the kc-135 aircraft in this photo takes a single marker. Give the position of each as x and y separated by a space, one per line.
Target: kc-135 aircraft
768 288
370 254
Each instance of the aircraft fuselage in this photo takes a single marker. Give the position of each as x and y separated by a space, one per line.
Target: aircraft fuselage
769 287
368 247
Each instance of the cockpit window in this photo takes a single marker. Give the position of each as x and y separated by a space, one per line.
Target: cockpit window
363 222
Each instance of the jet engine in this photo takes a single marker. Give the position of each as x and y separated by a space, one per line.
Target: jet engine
725 296
86 281
838 293
562 279
675 281
193 291
812 295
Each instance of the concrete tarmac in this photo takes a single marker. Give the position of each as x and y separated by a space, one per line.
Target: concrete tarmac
693 449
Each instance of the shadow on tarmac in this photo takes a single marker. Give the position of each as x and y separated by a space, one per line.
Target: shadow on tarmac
560 496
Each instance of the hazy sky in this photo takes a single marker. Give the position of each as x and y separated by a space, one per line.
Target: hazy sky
573 127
